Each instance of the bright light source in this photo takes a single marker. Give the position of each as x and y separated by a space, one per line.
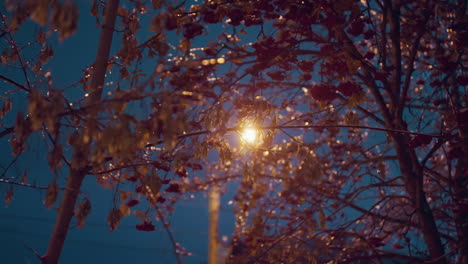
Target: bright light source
249 134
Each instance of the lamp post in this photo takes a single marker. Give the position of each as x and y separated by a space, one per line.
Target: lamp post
213 210
249 136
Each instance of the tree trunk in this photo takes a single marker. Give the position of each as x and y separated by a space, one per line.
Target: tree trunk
413 177
77 173
213 208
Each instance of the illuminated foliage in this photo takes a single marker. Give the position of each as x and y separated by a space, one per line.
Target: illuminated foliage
360 113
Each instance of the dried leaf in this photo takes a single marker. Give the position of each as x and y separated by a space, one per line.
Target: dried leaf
40 14
145 226
420 140
8 196
24 179
113 219
51 194
351 119
157 4
152 186
124 210
322 219
55 157
94 9
5 108
82 212
132 203
174 188
184 45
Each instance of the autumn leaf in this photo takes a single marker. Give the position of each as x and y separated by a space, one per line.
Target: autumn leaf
420 140
132 203
113 219
276 75
152 185
351 118
24 178
82 212
323 92
40 13
349 88
397 246
192 30
8 196
174 188
7 105
51 194
146 226
55 157
124 210
157 4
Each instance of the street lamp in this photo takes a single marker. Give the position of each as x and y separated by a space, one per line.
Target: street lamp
250 135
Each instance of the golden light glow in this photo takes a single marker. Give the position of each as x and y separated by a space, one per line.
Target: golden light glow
249 135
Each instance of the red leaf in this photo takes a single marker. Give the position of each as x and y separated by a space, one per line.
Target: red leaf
181 172
192 30
210 16
139 189
420 140
145 226
462 79
369 34
173 188
132 203
376 241
306 66
171 22
133 178
161 199
253 19
349 88
397 246
276 75
323 92
305 77
165 181
236 15
357 28
332 21
195 166
369 55
455 153
438 102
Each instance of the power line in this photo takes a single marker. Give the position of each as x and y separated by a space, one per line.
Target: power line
92 224
92 242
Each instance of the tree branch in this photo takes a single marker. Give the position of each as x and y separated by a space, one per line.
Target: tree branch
77 174
22 87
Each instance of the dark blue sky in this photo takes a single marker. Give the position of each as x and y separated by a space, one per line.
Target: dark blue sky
28 222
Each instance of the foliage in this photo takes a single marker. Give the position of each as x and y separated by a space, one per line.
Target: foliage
362 107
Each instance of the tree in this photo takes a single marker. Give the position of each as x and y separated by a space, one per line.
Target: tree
361 105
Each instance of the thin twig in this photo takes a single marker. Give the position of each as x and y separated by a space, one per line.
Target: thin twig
169 233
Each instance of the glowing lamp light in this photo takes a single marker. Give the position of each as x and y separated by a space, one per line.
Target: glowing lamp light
250 135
